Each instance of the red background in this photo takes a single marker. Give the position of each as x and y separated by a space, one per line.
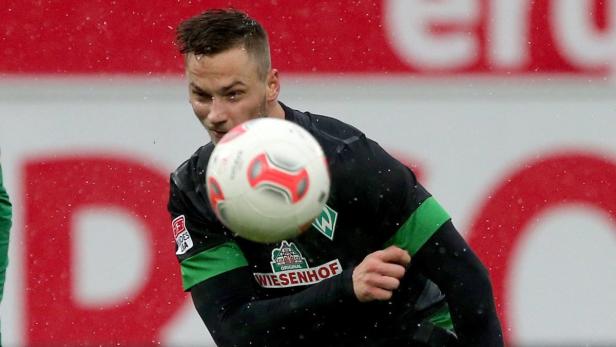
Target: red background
318 36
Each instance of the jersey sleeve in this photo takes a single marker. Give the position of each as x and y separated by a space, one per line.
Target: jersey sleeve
412 219
447 260
404 212
203 247
236 316
424 218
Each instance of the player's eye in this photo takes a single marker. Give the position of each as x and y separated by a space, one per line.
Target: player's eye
234 95
201 95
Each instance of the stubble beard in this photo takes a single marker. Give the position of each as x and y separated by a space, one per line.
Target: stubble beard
262 112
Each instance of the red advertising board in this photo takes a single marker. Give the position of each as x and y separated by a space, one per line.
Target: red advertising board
433 38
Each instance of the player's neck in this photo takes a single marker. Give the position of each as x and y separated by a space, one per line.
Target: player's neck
276 112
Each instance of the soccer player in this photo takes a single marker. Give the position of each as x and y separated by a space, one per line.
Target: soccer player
346 281
5 226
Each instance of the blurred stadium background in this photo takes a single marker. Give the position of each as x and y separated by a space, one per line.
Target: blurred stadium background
505 108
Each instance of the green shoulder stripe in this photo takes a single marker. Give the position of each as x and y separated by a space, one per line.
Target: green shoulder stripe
420 226
442 318
210 263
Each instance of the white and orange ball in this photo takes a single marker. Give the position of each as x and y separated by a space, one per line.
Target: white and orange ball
267 179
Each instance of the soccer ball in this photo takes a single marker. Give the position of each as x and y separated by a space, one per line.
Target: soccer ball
267 180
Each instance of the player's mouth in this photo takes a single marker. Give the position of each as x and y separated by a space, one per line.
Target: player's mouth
217 135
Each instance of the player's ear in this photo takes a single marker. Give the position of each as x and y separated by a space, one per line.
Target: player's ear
273 85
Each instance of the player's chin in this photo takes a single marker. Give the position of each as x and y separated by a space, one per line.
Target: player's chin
303 228
216 136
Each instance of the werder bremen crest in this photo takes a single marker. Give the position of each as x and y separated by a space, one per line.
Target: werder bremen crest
287 257
326 222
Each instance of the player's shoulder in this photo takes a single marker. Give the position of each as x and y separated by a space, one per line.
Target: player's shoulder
192 170
329 131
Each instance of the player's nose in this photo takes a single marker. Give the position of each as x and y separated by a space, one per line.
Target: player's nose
218 111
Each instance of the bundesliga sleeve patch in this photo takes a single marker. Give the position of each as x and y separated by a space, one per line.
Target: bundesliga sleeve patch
181 235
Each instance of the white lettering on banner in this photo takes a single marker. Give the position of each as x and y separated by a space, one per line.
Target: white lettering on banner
507 33
498 34
301 277
409 22
577 35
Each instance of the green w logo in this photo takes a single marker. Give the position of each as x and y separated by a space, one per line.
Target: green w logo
326 222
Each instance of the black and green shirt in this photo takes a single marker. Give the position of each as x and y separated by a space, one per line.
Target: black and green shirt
299 291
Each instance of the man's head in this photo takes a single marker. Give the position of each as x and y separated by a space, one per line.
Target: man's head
228 67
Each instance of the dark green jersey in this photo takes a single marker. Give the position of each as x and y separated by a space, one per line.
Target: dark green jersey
301 289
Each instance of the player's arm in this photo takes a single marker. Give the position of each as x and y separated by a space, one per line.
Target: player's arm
228 306
448 261
441 254
424 229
